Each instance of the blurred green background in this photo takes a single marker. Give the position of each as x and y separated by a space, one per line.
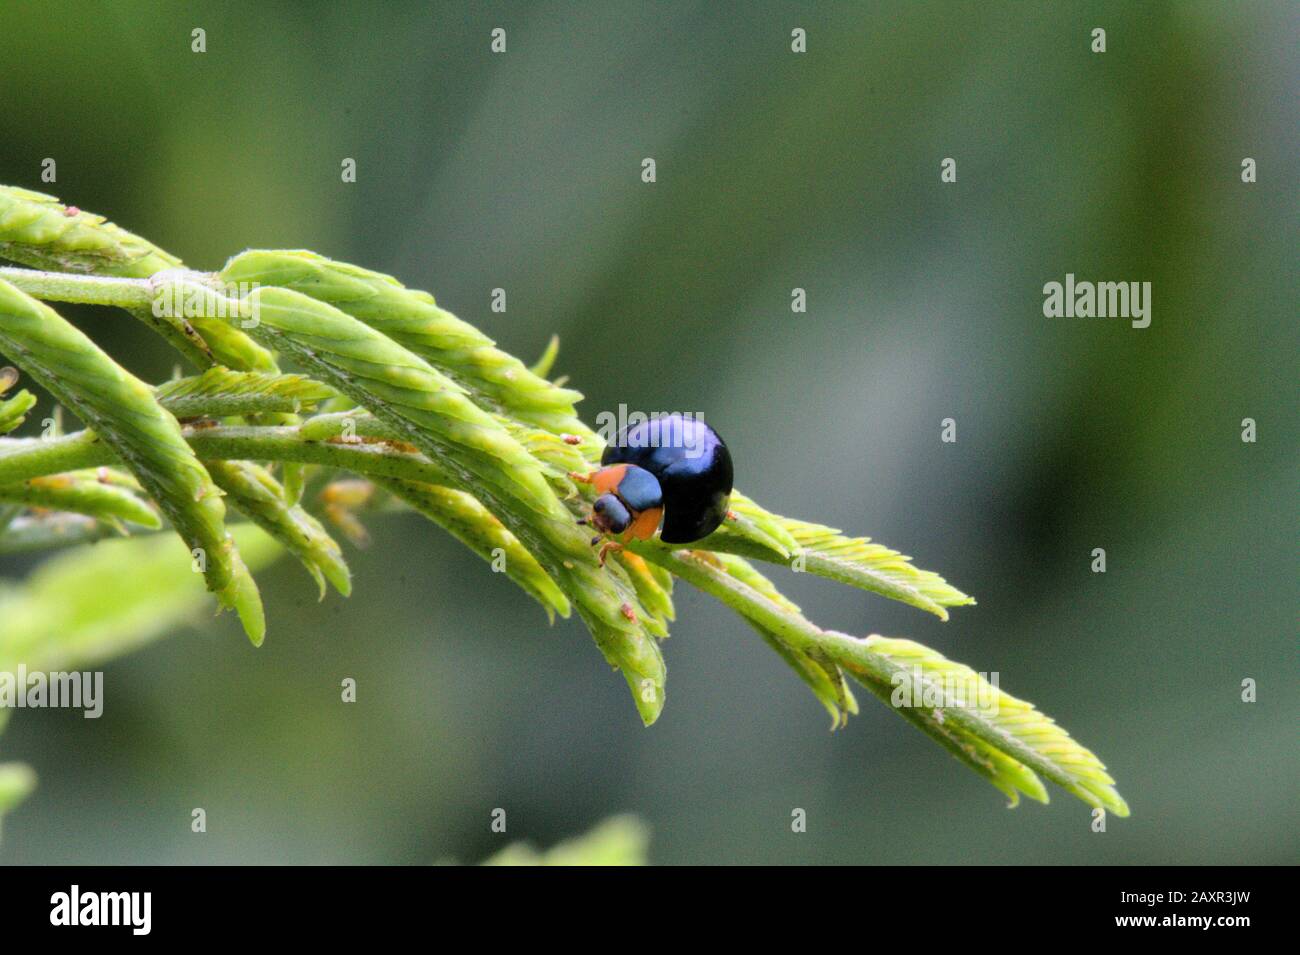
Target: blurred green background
775 171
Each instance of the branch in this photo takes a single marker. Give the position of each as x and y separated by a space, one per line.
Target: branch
456 428
80 289
143 435
1003 738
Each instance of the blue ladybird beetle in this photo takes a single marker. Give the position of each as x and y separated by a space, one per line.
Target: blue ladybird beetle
672 468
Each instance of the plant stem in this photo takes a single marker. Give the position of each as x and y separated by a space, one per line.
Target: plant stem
37 457
137 296
82 289
856 655
26 458
699 571
27 534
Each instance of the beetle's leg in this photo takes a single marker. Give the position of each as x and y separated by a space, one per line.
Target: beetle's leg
606 548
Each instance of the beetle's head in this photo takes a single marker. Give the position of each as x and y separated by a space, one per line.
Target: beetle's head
609 515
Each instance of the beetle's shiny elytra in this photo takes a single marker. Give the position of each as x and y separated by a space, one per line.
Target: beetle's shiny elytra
675 468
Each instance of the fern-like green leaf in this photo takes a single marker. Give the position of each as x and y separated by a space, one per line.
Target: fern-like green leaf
462 516
125 415
556 458
1002 771
984 715
1005 739
622 840
252 491
826 552
980 714
455 427
857 561
436 415
655 592
498 380
92 604
17 780
220 392
16 783
83 493
822 675
37 531
13 410
542 367
38 230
